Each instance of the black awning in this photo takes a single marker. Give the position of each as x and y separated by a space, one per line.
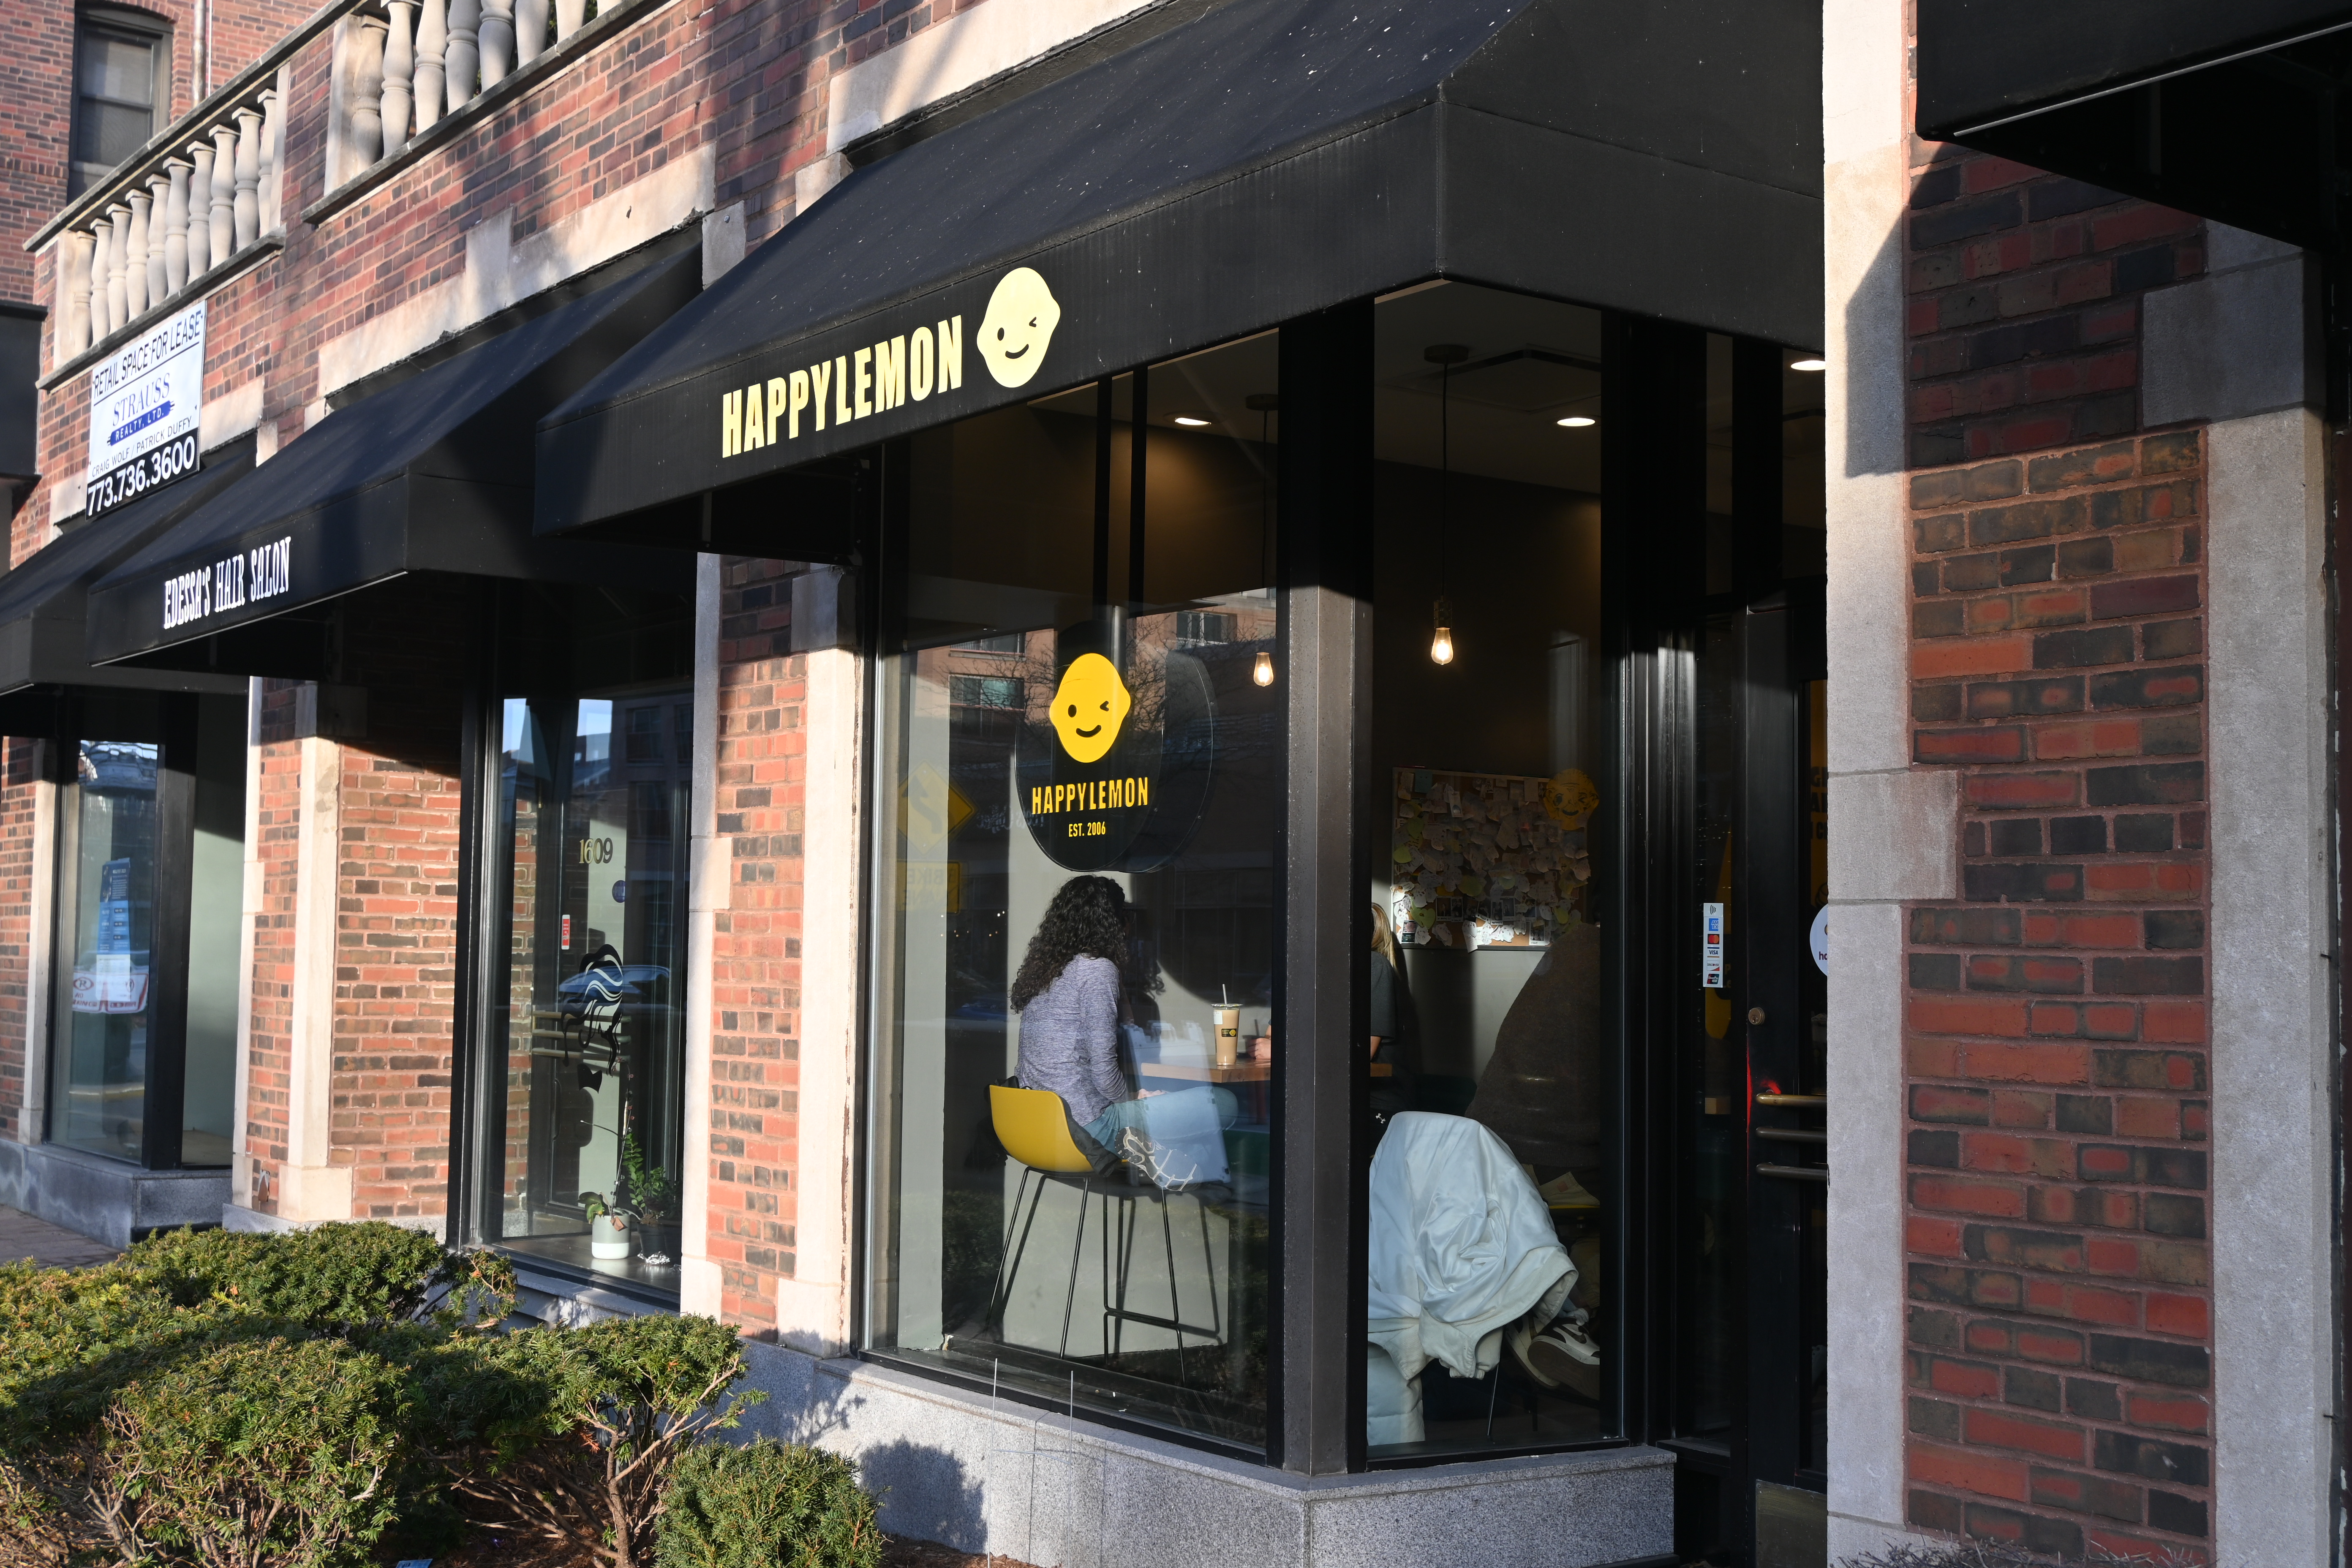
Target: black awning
431 474
44 600
2225 110
1270 159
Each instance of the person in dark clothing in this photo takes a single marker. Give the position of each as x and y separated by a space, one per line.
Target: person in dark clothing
1395 1027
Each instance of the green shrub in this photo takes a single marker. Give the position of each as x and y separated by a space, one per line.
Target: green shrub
267 1454
767 1504
293 1400
566 1437
337 1278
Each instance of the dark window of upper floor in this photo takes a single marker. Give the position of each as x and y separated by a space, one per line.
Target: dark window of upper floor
122 91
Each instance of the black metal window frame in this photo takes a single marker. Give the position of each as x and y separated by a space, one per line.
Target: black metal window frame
133 25
164 1094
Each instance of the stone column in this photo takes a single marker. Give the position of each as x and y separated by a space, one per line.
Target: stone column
432 61
175 227
200 208
75 253
462 60
134 256
224 207
248 177
399 73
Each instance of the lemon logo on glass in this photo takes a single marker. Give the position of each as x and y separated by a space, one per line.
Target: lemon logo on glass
1019 327
1089 706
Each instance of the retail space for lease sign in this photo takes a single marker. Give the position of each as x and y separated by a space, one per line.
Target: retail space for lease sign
145 405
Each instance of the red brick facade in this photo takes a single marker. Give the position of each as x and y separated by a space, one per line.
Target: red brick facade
755 958
37 61
2060 1325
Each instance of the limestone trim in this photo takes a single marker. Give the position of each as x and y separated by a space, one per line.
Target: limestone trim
812 1304
309 1186
699 1278
1883 843
501 271
2274 1389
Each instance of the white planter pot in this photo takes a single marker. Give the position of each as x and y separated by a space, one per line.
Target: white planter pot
609 1237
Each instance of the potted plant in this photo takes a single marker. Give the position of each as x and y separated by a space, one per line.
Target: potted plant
609 1225
652 1191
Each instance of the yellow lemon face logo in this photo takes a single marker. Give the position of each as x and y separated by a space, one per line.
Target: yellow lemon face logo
1089 707
1013 335
1569 797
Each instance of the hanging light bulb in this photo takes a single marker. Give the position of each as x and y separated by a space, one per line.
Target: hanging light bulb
1444 356
1262 668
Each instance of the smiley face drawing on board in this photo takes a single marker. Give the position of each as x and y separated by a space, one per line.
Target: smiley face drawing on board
1090 705
1019 327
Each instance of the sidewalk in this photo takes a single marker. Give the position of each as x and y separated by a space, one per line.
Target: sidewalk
51 1246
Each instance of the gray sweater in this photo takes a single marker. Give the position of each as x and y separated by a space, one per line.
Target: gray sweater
1069 1038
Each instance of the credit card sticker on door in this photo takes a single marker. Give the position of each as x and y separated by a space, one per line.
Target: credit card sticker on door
1711 951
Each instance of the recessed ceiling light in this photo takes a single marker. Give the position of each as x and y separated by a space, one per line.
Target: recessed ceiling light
1190 419
1809 365
1578 421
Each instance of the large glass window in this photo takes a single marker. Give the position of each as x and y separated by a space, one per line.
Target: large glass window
1489 1089
594 764
151 880
110 1024
1080 760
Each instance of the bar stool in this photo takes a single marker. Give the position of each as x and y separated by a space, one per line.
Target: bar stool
1033 1125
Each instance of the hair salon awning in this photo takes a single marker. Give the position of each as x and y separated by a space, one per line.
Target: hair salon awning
2227 110
1270 159
433 474
43 601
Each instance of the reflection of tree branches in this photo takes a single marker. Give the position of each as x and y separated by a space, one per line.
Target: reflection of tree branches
1145 673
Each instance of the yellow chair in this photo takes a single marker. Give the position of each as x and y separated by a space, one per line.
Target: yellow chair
1033 1125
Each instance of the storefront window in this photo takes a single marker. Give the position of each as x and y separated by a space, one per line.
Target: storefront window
1489 1086
111 1022
151 879
594 798
1080 755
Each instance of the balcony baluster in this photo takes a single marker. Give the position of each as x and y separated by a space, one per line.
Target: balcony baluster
399 73
497 41
200 208
463 63
134 256
224 212
175 228
248 177
159 228
432 61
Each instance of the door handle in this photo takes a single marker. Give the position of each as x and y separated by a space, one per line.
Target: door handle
1792 1135
1798 1101
1796 1173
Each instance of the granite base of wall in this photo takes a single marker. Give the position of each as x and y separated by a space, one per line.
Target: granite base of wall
103 1199
1042 1488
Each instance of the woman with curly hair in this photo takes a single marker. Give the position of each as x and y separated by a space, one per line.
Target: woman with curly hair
1068 993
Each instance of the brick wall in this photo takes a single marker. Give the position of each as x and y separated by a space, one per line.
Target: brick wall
755 959
397 926
269 1046
37 57
2056 1044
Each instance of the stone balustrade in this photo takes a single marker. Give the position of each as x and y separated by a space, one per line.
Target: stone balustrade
193 204
403 66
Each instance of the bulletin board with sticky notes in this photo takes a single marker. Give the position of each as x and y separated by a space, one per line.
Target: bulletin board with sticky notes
1482 860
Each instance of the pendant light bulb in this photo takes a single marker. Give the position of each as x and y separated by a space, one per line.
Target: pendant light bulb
1441 642
1262 668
